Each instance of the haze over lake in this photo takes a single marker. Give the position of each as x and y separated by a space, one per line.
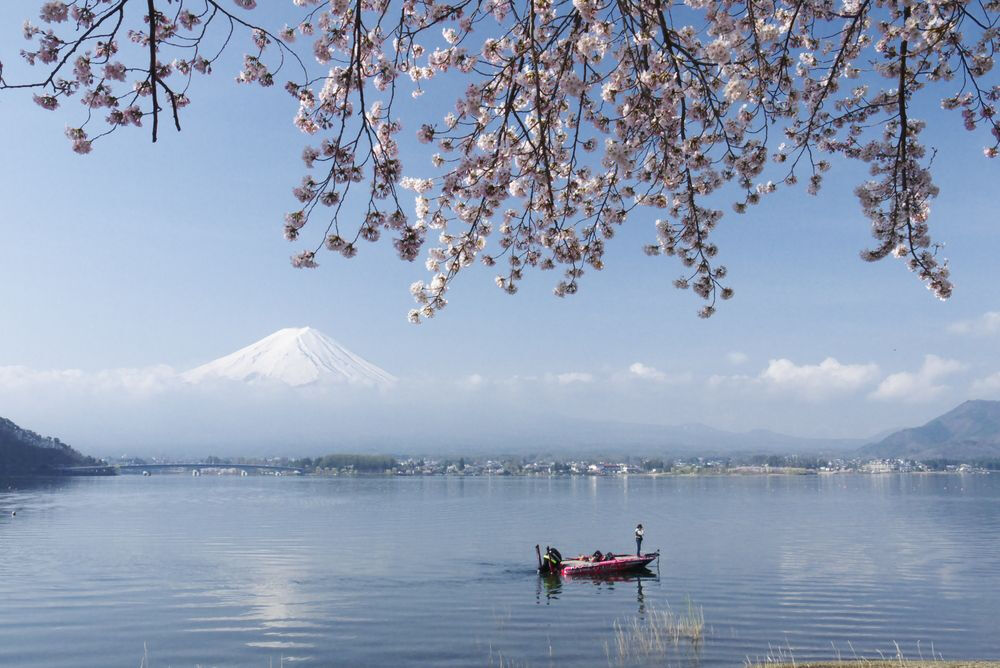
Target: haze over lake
236 571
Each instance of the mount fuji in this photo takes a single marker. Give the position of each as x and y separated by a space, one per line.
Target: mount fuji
293 356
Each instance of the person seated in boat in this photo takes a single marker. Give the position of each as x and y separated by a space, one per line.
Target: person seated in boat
608 556
552 559
597 556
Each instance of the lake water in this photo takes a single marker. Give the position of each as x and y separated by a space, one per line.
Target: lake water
259 571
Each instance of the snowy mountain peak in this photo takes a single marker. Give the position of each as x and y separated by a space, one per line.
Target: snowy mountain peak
293 356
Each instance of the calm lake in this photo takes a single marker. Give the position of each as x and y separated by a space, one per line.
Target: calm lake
261 571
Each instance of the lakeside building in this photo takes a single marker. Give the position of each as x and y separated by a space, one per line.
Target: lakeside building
547 466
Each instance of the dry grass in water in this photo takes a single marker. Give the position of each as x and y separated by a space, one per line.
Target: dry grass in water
654 633
784 658
498 660
884 663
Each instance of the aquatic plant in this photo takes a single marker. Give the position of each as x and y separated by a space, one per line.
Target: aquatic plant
653 634
784 657
499 660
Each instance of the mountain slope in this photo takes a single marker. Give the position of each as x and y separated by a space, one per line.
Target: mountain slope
968 432
24 452
533 433
293 356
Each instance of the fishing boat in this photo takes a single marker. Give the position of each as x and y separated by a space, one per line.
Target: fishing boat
594 564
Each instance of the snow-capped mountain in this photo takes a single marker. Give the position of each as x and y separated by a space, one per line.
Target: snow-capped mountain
293 356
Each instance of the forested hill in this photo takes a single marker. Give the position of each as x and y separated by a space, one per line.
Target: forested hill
969 432
23 452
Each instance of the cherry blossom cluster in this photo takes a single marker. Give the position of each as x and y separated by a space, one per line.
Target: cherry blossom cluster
128 61
572 117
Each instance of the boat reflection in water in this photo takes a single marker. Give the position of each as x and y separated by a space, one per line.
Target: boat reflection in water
553 585
652 635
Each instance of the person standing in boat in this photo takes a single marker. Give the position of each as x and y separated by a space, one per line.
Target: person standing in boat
638 540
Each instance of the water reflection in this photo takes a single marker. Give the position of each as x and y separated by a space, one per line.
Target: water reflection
28 484
32 494
384 572
552 586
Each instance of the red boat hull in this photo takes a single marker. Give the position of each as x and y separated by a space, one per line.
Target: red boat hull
619 564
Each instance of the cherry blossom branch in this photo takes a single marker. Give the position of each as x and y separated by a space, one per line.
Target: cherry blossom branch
153 79
572 117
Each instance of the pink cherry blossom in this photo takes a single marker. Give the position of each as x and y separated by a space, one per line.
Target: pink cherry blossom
568 119
54 12
49 102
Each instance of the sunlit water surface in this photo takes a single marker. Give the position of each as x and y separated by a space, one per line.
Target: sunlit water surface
259 571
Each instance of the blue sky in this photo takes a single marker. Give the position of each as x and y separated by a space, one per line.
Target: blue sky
140 255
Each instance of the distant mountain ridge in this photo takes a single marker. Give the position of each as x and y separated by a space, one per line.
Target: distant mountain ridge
702 439
22 451
564 435
293 356
968 432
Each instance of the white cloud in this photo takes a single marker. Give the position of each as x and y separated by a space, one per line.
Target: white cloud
143 381
737 381
638 370
736 357
572 377
988 386
472 381
815 381
921 385
13 377
525 383
988 324
805 381
642 371
153 409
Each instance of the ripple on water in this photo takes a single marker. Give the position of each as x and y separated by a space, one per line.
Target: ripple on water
381 571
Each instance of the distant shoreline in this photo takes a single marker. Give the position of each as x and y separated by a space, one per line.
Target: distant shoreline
671 474
337 465
689 474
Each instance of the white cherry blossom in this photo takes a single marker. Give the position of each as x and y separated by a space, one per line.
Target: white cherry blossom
570 117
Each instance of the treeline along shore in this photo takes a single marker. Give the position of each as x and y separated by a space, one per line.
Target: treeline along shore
388 465
26 453
610 466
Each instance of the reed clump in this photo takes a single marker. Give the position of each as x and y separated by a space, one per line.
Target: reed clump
881 663
654 633
498 660
784 658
